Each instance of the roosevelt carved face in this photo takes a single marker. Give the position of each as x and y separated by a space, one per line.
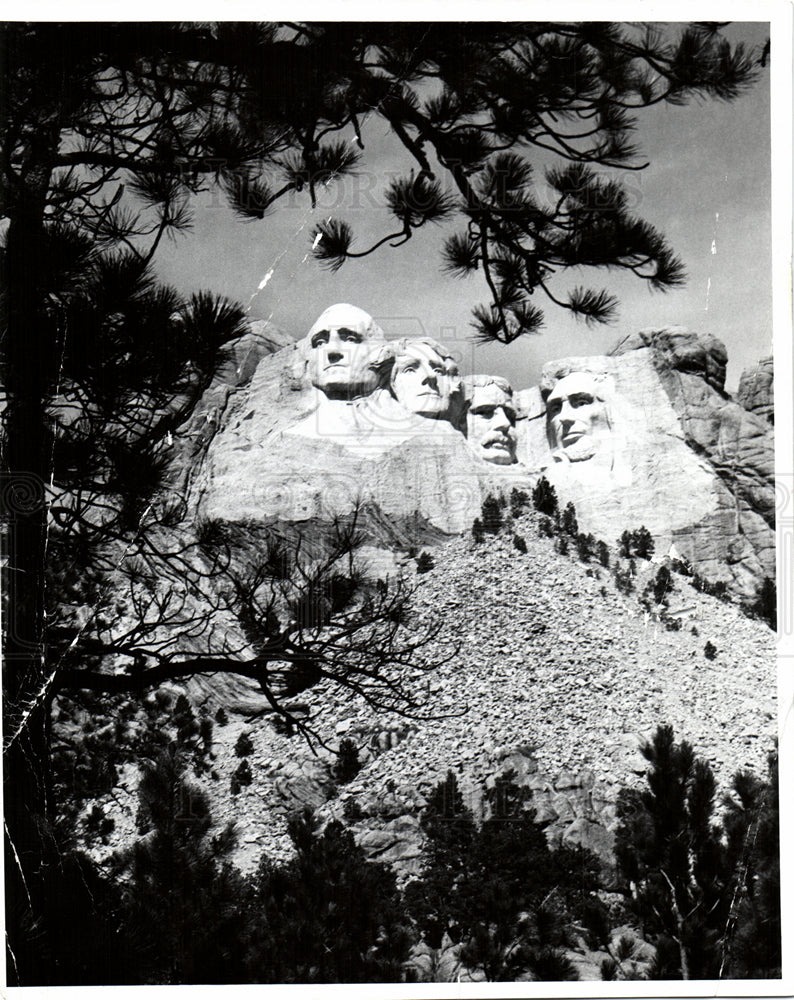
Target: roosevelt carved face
425 382
491 424
339 351
576 417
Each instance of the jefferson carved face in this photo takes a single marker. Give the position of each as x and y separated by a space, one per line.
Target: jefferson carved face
340 348
423 381
491 424
576 416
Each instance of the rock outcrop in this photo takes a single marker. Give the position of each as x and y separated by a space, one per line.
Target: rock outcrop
739 447
756 390
545 671
230 382
680 456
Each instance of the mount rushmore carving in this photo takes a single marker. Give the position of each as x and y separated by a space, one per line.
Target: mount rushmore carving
367 387
344 416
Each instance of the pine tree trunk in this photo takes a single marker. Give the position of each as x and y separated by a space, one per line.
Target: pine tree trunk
26 770
679 923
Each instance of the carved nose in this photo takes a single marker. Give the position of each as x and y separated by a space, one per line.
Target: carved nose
499 420
431 380
335 355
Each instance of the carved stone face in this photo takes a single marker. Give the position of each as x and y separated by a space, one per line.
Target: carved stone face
576 417
491 424
339 351
423 382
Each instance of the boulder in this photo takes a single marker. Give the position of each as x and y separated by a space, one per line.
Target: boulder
582 832
303 784
397 842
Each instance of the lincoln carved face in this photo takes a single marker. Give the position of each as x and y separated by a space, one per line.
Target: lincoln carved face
339 351
576 417
491 420
425 381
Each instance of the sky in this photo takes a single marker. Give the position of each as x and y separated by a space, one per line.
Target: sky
707 188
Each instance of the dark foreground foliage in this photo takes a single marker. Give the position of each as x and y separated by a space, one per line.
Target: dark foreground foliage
497 889
327 916
705 888
701 887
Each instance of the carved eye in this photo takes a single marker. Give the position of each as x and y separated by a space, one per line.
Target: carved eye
321 337
554 407
581 399
350 335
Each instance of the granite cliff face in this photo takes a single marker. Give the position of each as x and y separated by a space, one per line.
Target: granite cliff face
756 390
675 453
277 454
682 457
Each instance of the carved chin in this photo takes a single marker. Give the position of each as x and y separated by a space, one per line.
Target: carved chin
427 407
345 386
580 451
497 455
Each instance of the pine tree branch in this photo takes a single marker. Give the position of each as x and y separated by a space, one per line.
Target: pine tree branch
679 940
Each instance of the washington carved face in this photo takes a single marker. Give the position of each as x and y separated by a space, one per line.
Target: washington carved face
491 424
423 381
340 348
576 416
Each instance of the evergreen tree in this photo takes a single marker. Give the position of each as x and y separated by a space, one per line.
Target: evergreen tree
765 603
498 889
753 946
688 872
662 585
425 562
328 916
241 777
569 523
182 902
244 747
84 944
584 546
450 831
636 543
347 763
642 543
491 515
544 497
519 501
502 91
